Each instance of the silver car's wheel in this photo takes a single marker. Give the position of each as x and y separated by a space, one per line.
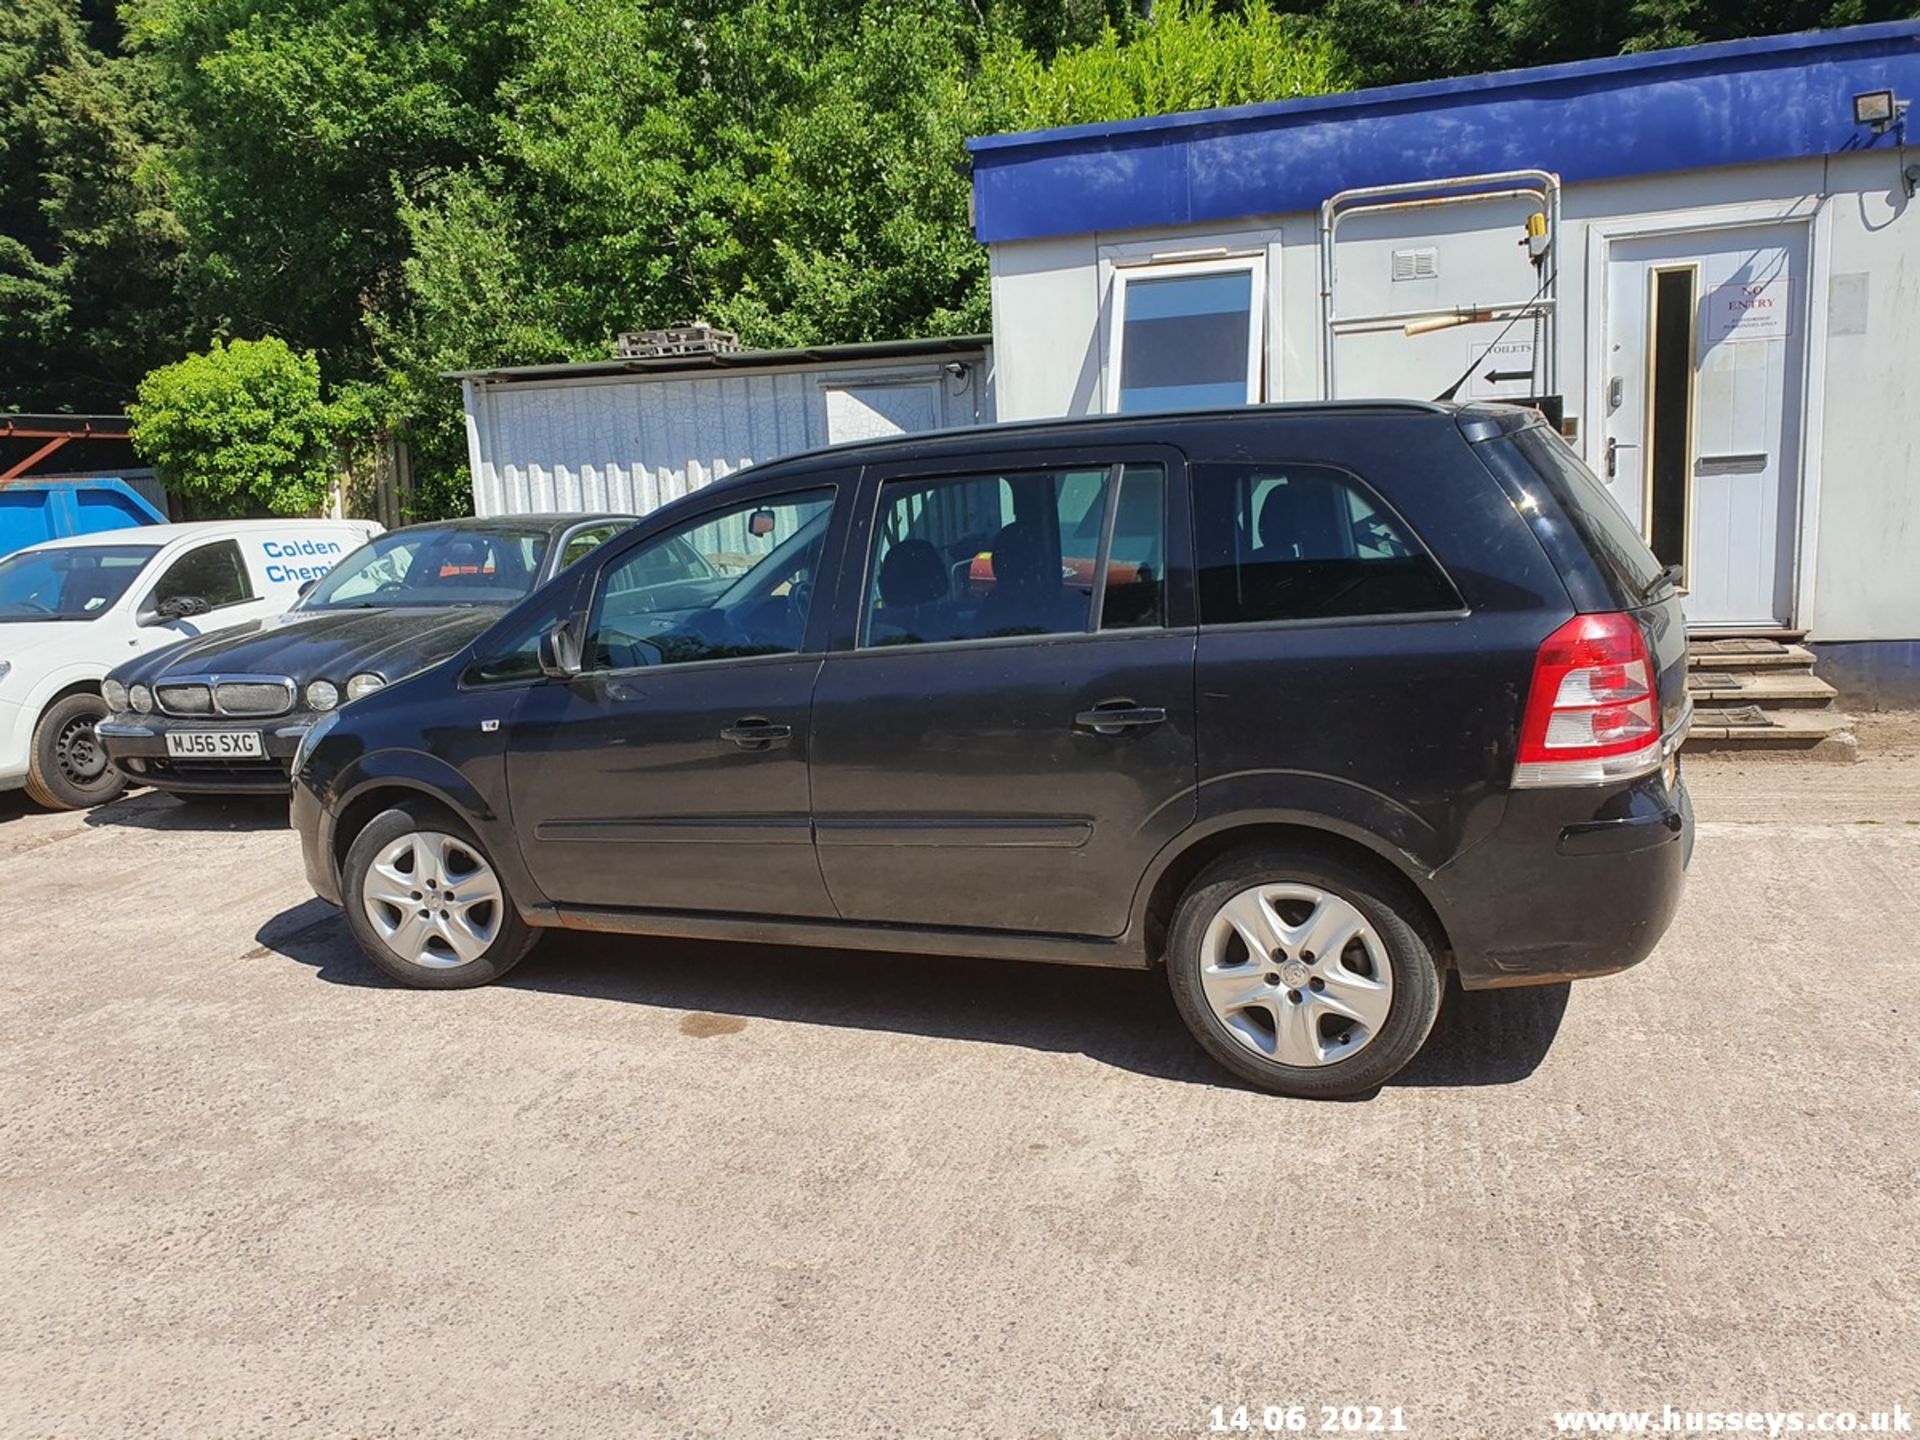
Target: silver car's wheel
433 900
1296 974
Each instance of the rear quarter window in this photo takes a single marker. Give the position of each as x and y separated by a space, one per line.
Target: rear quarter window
1285 541
1610 538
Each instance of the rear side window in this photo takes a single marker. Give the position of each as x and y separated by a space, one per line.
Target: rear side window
1304 542
996 556
1610 537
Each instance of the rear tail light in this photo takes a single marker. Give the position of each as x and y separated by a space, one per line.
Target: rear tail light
1592 714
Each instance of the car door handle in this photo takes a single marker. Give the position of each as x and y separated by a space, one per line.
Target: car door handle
1116 716
755 732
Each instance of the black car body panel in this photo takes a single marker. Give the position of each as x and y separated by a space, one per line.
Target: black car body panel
302 645
950 798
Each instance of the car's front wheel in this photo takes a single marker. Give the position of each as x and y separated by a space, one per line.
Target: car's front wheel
425 902
68 768
1302 974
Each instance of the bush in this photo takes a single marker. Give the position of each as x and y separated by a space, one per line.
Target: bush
241 428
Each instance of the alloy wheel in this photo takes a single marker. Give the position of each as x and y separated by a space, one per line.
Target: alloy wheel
433 900
1296 974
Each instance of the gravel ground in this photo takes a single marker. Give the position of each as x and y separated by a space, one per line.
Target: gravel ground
650 1189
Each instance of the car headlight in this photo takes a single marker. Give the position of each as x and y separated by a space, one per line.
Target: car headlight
323 695
6 668
316 732
363 684
115 694
141 698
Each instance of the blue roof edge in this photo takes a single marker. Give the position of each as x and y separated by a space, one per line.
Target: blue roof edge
1769 99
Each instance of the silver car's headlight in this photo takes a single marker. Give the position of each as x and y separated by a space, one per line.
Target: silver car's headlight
114 693
364 684
141 699
6 668
323 695
316 732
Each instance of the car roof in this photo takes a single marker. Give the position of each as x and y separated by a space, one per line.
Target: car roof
187 530
534 520
1164 425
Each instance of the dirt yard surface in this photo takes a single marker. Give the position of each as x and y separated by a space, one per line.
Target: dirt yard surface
672 1190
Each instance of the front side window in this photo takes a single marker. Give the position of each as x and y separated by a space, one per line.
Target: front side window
725 585
983 557
73 582
1188 336
1304 542
214 575
434 565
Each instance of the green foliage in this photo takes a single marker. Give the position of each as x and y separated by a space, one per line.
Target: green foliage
298 119
89 250
242 428
1389 41
1188 57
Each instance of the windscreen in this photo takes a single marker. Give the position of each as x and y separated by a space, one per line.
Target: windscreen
436 565
77 582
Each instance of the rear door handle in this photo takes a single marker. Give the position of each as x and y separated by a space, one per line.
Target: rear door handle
1117 716
756 732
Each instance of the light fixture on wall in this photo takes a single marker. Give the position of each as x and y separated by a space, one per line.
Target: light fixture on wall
1878 110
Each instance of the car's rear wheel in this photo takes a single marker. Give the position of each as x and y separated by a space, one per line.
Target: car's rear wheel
1303 975
67 768
426 903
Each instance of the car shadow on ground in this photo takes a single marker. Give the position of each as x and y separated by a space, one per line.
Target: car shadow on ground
151 810
1120 1017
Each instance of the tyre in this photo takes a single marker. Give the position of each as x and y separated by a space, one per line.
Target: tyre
1301 974
425 902
67 767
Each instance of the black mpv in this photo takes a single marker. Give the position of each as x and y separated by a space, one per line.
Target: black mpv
1307 704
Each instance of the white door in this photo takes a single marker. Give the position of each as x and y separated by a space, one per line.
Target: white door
1699 435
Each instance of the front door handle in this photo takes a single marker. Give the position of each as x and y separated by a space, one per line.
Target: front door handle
756 732
1114 717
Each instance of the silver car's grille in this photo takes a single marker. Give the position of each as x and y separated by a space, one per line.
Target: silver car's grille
253 697
185 699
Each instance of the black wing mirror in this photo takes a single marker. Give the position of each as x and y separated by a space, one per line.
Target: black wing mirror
178 607
559 652
305 586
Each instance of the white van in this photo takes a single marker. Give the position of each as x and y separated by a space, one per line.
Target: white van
73 609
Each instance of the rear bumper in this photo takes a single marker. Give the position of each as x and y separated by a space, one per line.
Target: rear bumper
1574 883
137 745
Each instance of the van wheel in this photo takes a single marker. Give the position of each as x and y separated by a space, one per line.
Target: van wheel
67 766
1301 974
426 904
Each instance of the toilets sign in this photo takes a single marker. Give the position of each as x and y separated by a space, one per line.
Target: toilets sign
1750 310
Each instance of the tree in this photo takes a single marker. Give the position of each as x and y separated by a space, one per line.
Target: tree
793 170
90 261
303 124
1386 42
241 428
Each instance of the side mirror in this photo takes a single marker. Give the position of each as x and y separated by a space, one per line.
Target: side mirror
305 586
761 522
559 652
177 607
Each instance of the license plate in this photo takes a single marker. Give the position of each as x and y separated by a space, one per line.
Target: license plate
213 744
